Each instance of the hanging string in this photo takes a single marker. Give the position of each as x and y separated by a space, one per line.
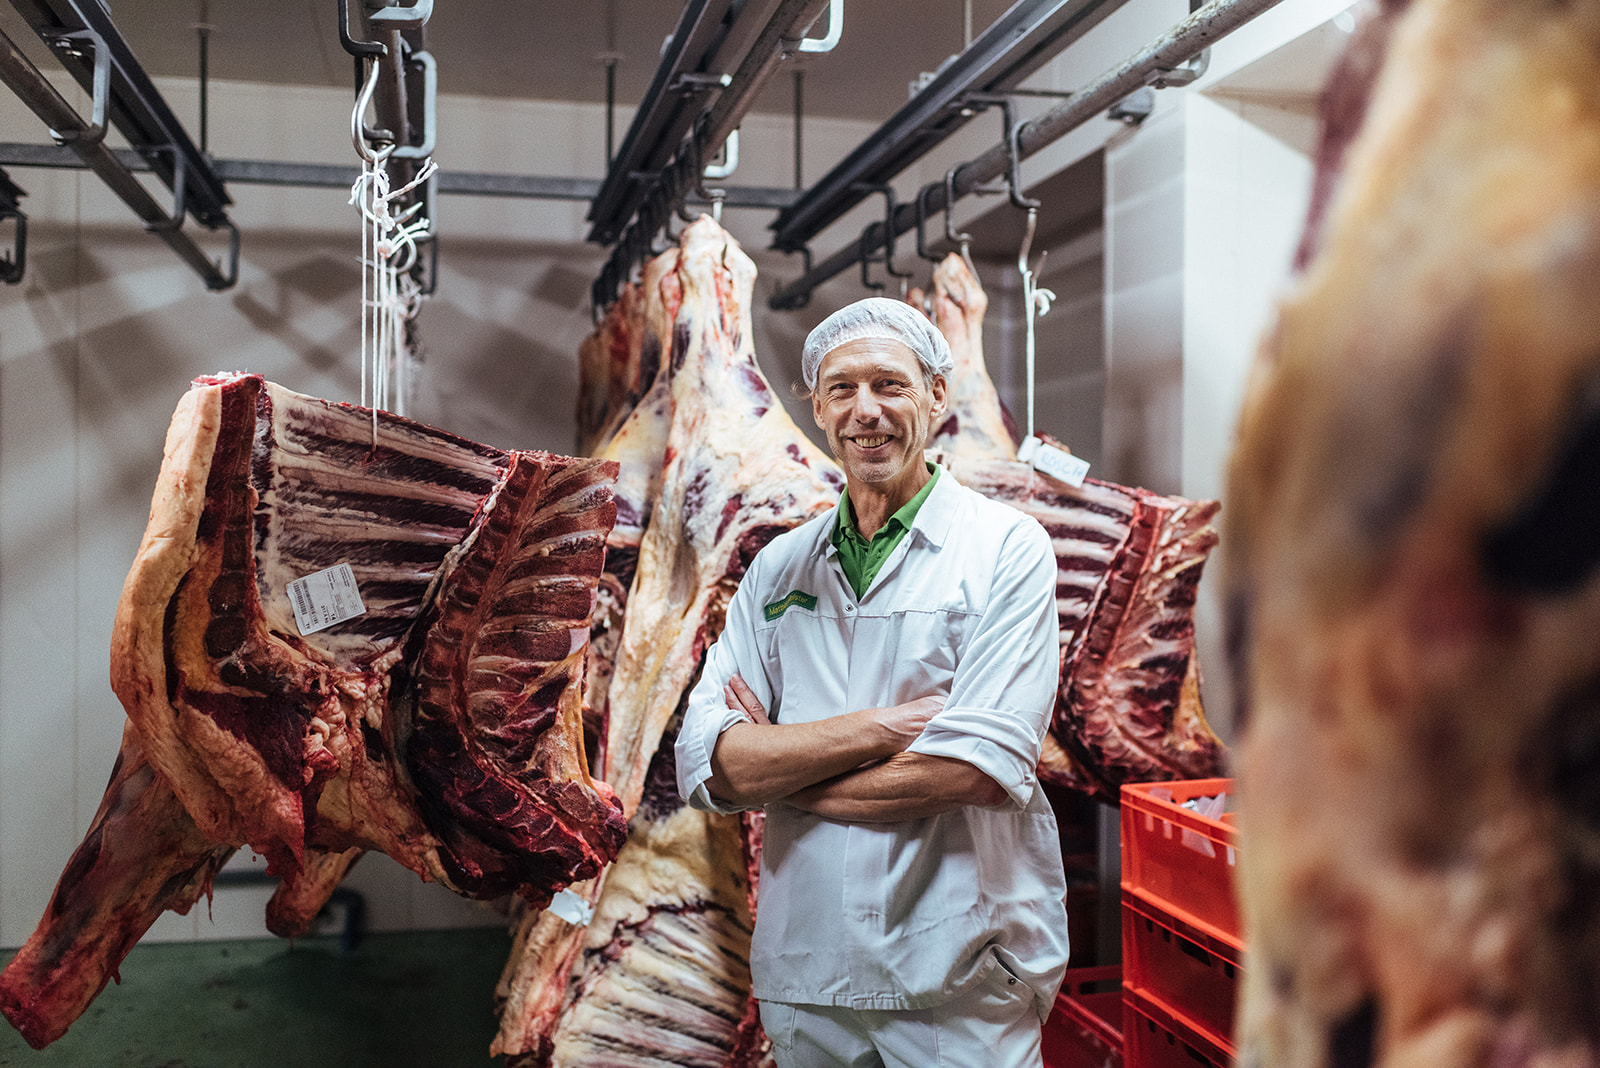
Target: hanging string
1036 301
390 297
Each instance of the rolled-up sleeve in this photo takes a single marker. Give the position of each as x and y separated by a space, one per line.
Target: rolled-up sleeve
1005 683
707 713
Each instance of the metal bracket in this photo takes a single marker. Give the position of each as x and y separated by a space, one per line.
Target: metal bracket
922 222
430 108
730 159
889 206
1134 108
180 201
358 49
227 280
696 82
95 130
829 41
864 246
1187 74
399 17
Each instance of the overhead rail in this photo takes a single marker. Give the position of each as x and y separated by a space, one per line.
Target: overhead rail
688 71
657 197
1160 63
341 176
85 40
86 139
1021 41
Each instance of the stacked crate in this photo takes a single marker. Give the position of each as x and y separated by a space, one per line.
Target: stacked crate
1085 1029
1181 947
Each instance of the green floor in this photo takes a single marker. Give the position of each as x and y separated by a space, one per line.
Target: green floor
398 1000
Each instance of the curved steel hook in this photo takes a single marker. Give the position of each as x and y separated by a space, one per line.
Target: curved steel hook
922 222
864 247
359 49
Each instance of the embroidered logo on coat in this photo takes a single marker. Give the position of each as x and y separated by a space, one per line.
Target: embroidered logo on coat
779 607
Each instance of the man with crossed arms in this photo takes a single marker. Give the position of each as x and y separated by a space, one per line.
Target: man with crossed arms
882 688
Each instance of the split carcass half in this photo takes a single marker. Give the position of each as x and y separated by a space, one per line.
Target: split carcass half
737 473
609 370
1128 566
441 725
1410 564
976 425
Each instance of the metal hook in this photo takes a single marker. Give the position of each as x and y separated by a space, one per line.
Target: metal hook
865 248
358 126
889 206
1014 163
227 280
180 206
922 222
359 49
963 238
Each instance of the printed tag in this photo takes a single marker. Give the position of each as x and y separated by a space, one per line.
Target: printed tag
571 907
1057 463
796 597
325 598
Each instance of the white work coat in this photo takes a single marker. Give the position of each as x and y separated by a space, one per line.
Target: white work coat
902 915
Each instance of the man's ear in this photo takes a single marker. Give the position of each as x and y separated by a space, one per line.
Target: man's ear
939 387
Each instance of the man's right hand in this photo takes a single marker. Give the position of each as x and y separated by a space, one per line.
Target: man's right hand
904 722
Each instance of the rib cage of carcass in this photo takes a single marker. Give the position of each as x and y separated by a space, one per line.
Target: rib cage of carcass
442 725
1129 564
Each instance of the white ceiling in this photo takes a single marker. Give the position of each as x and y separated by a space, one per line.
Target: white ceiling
547 49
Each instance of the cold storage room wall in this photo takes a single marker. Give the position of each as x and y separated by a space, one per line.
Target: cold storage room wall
107 329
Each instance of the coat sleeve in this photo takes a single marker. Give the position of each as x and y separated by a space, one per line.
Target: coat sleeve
1005 681
707 715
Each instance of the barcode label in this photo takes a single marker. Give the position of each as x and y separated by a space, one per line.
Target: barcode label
327 597
1053 461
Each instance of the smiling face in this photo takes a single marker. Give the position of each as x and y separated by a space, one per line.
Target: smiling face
876 406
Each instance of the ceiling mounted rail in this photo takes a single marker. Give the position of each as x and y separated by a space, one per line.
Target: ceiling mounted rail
1153 65
76 30
190 190
1021 41
657 197
337 176
690 67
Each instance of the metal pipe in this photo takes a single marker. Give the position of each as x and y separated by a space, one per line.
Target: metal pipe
799 115
340 176
24 79
611 110
1179 45
205 81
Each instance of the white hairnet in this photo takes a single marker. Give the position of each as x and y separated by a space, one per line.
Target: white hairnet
877 317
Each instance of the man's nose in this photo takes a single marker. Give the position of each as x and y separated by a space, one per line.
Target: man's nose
866 407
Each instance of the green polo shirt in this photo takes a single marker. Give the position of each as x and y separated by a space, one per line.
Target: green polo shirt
861 558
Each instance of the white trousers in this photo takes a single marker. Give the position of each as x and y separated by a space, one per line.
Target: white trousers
994 1025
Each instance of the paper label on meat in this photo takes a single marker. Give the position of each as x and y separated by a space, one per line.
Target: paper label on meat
1054 462
324 598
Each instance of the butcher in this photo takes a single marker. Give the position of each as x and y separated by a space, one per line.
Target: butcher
881 688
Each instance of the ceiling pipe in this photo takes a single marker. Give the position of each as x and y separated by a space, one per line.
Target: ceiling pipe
1149 66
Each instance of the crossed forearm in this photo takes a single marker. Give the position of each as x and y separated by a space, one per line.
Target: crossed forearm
908 786
755 764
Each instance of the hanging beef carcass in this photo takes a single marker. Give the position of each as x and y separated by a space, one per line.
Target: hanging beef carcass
1128 566
440 725
738 472
609 372
532 986
976 425
1410 564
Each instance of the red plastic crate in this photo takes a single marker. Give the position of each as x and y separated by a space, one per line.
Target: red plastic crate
1193 973
1179 859
1157 1038
1085 1028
